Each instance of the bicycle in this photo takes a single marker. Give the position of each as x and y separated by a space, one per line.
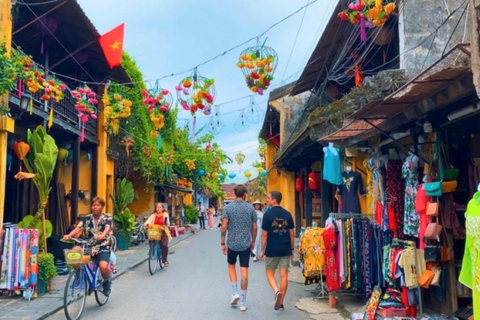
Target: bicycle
83 279
155 252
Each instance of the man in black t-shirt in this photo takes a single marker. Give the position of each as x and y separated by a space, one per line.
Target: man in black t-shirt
278 239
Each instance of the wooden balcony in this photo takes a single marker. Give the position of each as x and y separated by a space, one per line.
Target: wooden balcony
65 114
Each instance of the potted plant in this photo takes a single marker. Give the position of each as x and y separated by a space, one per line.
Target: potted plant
46 272
191 214
123 217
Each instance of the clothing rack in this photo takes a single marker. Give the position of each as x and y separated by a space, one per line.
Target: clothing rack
343 215
411 244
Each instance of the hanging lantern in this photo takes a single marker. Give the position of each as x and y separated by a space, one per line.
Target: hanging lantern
314 181
221 176
259 169
21 149
128 142
299 184
239 158
62 154
201 173
215 175
248 174
196 92
258 65
232 175
264 173
190 164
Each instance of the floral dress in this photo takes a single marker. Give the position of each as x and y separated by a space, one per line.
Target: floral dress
411 218
331 267
312 253
87 224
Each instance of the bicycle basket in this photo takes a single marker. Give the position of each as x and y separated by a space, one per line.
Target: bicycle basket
76 258
154 233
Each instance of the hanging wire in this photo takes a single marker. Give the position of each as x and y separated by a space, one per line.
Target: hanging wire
253 113
216 124
241 124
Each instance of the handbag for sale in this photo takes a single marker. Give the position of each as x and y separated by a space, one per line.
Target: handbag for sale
433 189
450 174
432 252
432 208
449 186
445 254
436 278
433 230
425 279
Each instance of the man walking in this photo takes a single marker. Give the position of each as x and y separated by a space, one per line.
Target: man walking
201 215
240 221
278 239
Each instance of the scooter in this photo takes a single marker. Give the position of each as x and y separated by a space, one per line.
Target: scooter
138 235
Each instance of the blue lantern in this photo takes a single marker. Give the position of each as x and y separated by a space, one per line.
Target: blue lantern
232 175
264 173
221 176
201 173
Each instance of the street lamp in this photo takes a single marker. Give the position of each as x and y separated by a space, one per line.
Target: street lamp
23 105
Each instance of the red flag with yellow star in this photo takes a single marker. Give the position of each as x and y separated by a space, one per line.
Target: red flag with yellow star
112 45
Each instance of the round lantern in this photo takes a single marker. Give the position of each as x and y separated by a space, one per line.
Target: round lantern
264 173
259 169
21 149
221 176
299 184
201 172
62 154
314 181
258 65
215 175
232 175
248 174
196 92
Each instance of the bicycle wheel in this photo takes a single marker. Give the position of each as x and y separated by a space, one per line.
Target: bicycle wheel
75 294
159 250
100 297
152 258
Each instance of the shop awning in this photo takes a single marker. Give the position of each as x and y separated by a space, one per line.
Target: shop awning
451 67
177 188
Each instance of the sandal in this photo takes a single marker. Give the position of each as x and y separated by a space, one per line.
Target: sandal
166 264
114 271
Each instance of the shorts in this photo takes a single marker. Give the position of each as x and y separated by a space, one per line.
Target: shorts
277 262
244 257
102 256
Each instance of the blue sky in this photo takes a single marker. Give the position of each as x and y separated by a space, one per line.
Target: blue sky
167 36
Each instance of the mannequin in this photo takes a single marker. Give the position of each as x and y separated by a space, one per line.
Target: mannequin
470 272
331 164
348 191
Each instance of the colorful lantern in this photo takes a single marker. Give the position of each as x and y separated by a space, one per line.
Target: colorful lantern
248 174
258 65
201 173
221 176
116 108
259 169
190 164
62 154
264 173
232 175
314 181
86 106
21 149
196 92
239 158
299 184
215 175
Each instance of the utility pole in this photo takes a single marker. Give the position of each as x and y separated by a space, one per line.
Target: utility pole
475 42
7 124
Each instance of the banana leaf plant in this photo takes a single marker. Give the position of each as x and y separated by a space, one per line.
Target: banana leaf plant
40 163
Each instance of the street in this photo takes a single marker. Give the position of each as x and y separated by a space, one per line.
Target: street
195 286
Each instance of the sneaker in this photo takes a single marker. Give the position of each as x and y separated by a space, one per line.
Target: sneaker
278 297
243 307
282 308
235 299
107 288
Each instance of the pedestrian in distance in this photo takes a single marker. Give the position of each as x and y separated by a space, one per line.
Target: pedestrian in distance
201 215
160 217
240 225
278 241
258 210
211 213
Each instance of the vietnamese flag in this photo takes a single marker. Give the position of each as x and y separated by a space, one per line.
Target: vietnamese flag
112 45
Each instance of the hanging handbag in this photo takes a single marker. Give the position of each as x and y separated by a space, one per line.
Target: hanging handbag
445 254
434 188
449 186
433 231
450 172
425 278
432 209
432 252
437 271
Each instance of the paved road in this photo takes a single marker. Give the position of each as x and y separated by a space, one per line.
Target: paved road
195 286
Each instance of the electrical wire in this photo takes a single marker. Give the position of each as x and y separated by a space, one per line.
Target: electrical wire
23 3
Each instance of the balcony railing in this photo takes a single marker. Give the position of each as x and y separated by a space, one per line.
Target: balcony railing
64 111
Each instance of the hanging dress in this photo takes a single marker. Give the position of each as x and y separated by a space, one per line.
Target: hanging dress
411 218
332 171
395 190
331 267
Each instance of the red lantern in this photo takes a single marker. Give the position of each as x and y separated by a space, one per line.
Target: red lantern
314 181
21 149
299 184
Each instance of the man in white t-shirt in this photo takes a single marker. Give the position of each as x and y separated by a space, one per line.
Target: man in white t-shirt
201 215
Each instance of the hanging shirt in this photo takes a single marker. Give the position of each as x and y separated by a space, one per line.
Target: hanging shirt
352 185
332 171
412 268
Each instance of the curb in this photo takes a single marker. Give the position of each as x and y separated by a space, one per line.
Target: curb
49 313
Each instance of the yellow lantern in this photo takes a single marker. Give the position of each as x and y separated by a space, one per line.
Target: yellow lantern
215 175
62 154
259 169
248 174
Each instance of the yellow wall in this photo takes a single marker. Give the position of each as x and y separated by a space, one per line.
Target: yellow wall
144 200
188 197
85 181
106 173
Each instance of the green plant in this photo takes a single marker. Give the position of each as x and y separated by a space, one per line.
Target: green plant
9 68
124 195
41 161
46 267
125 220
191 214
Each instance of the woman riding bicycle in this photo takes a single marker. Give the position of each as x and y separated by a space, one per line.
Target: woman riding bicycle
160 218
97 226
